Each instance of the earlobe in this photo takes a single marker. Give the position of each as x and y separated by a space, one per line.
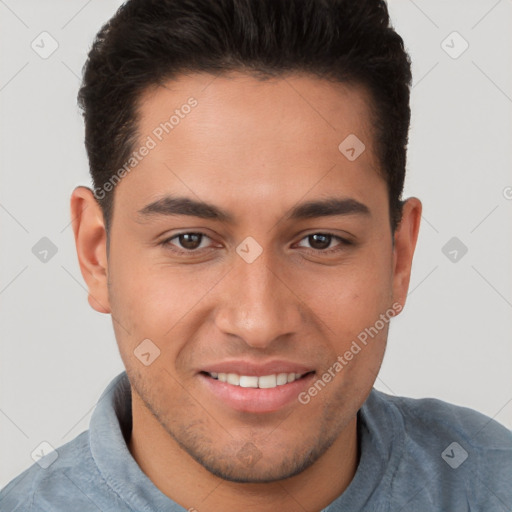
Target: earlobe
406 236
91 246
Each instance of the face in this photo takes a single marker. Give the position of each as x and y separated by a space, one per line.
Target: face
279 275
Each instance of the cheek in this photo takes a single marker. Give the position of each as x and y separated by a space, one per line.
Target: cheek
141 302
349 301
151 298
349 298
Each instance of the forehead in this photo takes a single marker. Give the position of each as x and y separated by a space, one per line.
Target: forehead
237 107
250 139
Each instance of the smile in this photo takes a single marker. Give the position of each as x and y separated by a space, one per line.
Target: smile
255 393
253 381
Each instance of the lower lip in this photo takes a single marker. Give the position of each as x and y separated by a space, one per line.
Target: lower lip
256 400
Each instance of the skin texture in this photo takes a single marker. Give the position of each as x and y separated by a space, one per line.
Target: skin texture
256 149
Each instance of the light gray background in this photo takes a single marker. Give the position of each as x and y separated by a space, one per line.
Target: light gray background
453 340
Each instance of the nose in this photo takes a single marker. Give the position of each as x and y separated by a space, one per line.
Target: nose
260 304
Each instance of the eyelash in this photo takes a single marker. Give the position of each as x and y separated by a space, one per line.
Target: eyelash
343 242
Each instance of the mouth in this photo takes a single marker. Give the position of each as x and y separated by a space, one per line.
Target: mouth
255 394
253 381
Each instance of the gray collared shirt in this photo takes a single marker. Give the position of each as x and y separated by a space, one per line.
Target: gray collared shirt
420 455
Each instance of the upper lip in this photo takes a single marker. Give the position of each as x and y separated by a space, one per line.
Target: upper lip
251 368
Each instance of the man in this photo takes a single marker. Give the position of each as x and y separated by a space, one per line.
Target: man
247 234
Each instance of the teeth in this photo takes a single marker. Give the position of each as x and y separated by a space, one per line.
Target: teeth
282 378
251 381
267 381
248 382
233 378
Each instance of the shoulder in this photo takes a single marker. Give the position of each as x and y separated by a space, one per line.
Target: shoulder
449 452
430 418
60 479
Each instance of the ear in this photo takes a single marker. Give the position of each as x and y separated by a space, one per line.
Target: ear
405 239
91 246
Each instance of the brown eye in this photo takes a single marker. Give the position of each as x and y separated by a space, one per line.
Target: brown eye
185 242
190 240
319 241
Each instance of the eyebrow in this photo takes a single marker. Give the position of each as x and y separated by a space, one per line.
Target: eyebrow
171 206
